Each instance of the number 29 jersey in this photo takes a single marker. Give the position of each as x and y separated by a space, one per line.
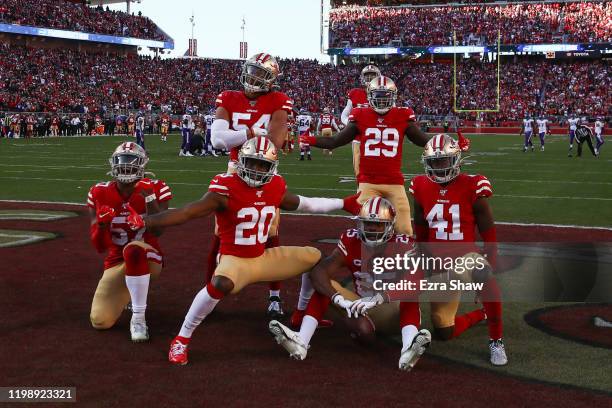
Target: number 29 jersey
381 146
251 113
245 223
448 209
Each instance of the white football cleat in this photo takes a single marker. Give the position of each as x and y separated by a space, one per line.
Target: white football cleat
411 355
601 322
498 352
289 339
181 153
139 330
188 154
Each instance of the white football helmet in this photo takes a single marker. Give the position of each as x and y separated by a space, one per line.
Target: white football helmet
128 162
257 161
376 210
259 73
382 94
368 73
442 158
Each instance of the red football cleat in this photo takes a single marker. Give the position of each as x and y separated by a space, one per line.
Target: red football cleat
298 315
178 351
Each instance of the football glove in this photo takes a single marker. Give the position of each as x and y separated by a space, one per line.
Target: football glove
134 220
339 300
351 205
361 306
308 139
105 214
464 142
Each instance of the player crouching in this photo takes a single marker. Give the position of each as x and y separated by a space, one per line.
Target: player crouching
244 203
134 256
363 311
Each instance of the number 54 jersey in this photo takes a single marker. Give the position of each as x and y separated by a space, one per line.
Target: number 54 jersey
251 113
245 223
448 208
381 146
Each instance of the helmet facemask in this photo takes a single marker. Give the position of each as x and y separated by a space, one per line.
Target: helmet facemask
442 168
255 170
127 167
382 100
368 74
255 78
374 232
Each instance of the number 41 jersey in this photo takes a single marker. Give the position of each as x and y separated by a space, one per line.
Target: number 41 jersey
382 139
244 225
251 113
448 209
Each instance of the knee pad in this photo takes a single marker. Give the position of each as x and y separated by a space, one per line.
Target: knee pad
135 258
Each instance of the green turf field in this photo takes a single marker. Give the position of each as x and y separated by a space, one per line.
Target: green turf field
538 187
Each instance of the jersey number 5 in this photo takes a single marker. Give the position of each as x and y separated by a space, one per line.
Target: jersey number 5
436 221
262 123
383 142
256 227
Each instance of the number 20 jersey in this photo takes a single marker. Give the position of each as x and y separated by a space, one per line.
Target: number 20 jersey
448 208
381 146
248 113
245 223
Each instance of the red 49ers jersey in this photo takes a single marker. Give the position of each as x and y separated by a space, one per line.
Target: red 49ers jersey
245 224
350 245
448 209
121 234
382 138
326 120
246 113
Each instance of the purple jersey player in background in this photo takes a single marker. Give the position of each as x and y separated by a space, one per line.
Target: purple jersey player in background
186 129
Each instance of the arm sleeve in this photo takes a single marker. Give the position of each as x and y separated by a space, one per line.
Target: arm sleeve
344 118
319 205
218 186
222 137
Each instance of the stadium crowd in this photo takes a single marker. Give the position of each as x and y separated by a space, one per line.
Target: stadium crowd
40 80
475 24
61 14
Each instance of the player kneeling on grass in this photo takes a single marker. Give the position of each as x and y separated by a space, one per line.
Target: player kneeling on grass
245 204
448 207
364 311
134 256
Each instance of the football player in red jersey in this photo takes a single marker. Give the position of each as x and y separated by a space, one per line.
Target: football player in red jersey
373 310
357 97
258 110
327 125
381 127
448 208
244 203
165 125
54 126
131 125
134 256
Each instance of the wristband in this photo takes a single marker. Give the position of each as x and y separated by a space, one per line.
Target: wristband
150 198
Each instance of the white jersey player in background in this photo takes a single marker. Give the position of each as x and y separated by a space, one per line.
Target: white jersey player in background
304 124
572 122
527 130
542 130
599 126
187 127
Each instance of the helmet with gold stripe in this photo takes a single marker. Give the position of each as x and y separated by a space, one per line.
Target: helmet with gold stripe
257 161
376 221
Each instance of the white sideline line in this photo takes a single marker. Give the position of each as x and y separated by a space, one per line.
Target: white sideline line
521 224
